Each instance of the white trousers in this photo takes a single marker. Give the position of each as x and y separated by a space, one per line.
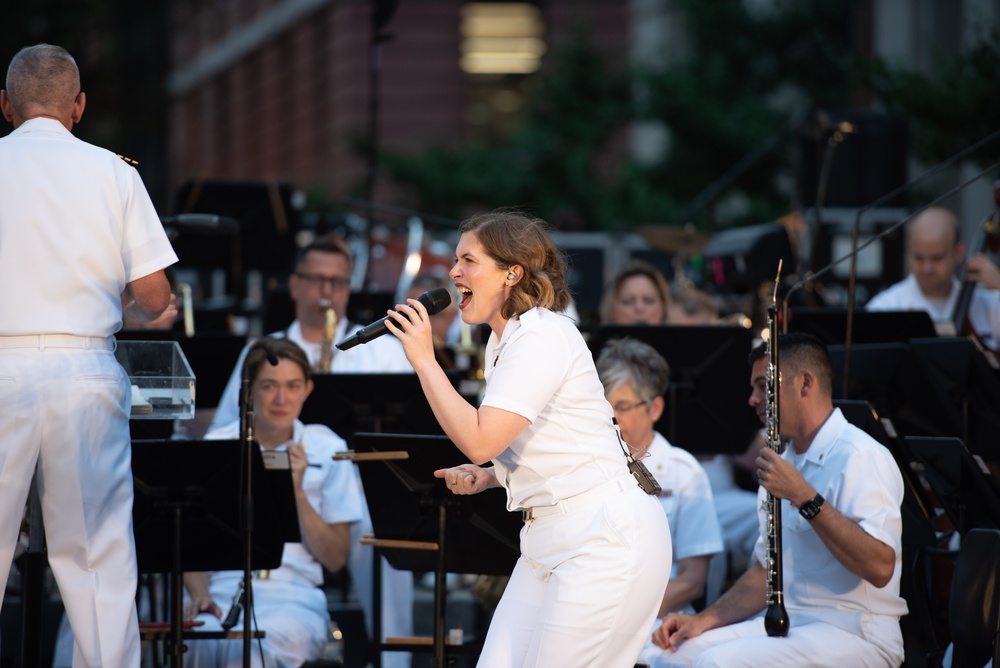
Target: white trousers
586 588
66 410
294 617
747 645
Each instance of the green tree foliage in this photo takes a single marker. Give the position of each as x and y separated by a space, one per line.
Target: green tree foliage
744 80
949 108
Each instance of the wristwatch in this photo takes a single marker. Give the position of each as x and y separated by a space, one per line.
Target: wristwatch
811 508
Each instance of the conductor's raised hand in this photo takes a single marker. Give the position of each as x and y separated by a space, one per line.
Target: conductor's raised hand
467 478
410 323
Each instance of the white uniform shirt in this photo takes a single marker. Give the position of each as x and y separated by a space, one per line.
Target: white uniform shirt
332 490
858 477
382 355
686 498
542 370
984 309
87 212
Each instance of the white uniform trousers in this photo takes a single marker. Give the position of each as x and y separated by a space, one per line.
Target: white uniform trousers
67 410
747 645
586 588
294 617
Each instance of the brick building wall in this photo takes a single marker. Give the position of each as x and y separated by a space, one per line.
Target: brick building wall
279 89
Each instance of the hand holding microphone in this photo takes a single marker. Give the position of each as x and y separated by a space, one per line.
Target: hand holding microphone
434 301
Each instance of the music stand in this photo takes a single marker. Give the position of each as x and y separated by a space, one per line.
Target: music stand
709 379
829 325
188 514
898 385
973 385
963 484
472 534
373 402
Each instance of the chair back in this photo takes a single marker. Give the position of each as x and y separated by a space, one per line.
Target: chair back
975 599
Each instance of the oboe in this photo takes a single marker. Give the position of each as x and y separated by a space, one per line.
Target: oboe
776 618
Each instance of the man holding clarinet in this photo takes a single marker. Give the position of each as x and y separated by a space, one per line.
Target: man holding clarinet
840 493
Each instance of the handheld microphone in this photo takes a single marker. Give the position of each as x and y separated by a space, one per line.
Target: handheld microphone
434 301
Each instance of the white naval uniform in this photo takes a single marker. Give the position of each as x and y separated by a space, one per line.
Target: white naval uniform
837 619
592 571
76 226
984 309
686 498
382 355
289 604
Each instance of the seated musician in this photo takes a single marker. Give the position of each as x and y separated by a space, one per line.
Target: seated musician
841 536
321 282
635 378
637 295
289 603
934 250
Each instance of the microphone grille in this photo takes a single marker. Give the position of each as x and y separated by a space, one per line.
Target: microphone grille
435 300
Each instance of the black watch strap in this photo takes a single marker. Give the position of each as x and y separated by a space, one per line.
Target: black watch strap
811 508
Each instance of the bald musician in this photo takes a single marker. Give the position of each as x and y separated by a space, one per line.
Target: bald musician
934 250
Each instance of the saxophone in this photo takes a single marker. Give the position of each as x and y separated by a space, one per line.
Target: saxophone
329 328
776 618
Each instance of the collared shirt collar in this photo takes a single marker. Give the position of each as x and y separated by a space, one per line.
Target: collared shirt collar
822 443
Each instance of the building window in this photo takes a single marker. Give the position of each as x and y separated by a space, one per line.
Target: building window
501 38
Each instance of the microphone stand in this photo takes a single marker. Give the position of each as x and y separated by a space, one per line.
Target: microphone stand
246 438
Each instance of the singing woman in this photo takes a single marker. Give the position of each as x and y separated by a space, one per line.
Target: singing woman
595 548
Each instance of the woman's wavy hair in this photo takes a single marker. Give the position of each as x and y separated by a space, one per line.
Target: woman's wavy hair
511 237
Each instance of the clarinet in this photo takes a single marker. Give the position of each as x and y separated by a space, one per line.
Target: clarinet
776 618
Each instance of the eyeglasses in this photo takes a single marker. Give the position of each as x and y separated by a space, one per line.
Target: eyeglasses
317 281
625 408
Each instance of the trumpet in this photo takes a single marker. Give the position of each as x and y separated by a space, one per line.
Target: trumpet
329 328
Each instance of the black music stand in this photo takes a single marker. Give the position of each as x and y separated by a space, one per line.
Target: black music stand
188 514
829 325
963 484
898 385
472 534
374 402
709 381
972 384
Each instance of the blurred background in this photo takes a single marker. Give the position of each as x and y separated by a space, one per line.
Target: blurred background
638 128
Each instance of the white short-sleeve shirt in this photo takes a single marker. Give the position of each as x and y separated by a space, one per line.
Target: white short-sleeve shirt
984 309
331 488
76 226
857 476
686 497
542 370
382 355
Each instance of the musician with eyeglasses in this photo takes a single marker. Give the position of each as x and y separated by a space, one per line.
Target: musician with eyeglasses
840 494
635 378
319 284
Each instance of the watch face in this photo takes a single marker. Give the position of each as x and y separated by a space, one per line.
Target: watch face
811 507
